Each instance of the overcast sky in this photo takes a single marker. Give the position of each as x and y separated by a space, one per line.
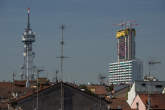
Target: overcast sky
89 35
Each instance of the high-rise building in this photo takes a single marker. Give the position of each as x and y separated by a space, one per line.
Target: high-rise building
126 44
127 68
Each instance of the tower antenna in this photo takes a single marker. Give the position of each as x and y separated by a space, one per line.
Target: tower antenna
62 57
28 38
62 50
28 22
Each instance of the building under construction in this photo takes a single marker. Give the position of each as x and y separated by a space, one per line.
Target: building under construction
127 68
126 44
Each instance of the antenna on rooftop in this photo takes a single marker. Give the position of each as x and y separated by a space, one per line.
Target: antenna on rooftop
101 78
62 57
151 63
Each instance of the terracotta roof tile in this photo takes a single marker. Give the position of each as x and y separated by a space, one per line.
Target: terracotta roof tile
3 106
119 103
97 89
157 100
46 87
5 89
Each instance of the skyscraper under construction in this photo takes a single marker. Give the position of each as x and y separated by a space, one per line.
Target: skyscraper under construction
127 68
126 44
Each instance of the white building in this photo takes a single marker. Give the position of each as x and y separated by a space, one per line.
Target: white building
125 71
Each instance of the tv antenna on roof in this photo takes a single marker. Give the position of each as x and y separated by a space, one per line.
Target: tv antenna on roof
151 63
62 57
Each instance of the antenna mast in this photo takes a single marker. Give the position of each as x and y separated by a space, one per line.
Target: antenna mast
28 38
62 57
62 50
150 79
61 65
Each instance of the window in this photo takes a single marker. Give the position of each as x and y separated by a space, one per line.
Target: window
158 86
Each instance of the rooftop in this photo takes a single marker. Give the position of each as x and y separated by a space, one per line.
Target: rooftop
157 100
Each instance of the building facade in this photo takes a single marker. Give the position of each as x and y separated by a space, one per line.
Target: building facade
125 71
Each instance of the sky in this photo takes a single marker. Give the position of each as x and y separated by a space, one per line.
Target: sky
89 35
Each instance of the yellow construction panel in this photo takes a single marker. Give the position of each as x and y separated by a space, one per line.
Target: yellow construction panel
124 33
121 33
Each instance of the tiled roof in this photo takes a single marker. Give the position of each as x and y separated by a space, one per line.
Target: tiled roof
157 100
29 93
120 87
122 93
97 89
5 89
47 87
117 103
8 88
3 106
5 93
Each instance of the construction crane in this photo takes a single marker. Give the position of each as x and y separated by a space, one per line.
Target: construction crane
152 63
126 24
